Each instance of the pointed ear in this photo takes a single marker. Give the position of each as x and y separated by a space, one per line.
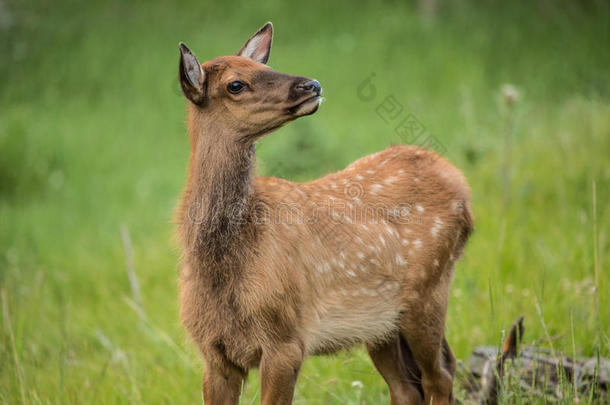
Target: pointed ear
510 347
258 46
191 75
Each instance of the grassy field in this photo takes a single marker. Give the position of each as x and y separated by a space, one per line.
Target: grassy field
92 141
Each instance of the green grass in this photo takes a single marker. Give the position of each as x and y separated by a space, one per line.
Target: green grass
92 137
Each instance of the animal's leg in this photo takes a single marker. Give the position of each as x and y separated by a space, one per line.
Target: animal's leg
222 381
398 370
449 362
423 327
279 369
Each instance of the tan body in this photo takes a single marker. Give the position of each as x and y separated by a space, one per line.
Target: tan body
274 271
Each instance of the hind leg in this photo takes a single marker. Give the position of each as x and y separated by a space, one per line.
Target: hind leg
401 376
222 380
423 327
449 362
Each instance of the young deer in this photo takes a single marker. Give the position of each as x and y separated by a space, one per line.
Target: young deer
273 271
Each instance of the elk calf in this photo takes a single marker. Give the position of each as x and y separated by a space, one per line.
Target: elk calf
273 271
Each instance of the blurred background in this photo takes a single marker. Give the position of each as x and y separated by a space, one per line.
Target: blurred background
93 151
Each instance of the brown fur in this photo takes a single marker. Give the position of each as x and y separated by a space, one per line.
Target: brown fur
274 271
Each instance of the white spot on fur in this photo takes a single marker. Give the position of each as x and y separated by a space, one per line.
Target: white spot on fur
382 240
359 177
404 242
438 224
360 255
419 208
375 188
436 264
400 260
389 180
417 243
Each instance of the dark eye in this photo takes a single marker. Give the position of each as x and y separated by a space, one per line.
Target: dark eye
235 87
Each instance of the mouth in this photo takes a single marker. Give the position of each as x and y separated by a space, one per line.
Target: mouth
307 106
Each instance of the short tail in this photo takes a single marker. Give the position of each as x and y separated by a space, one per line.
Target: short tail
466 229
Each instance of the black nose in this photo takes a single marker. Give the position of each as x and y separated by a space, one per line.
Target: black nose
312 86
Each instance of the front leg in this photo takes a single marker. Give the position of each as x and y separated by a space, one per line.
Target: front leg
279 369
222 381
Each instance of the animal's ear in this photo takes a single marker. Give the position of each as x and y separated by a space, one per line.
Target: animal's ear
191 75
510 347
258 46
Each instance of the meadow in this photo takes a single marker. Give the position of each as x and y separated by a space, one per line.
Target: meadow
93 151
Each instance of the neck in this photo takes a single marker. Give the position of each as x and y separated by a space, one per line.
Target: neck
218 197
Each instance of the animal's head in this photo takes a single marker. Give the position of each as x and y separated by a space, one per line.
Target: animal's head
242 93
